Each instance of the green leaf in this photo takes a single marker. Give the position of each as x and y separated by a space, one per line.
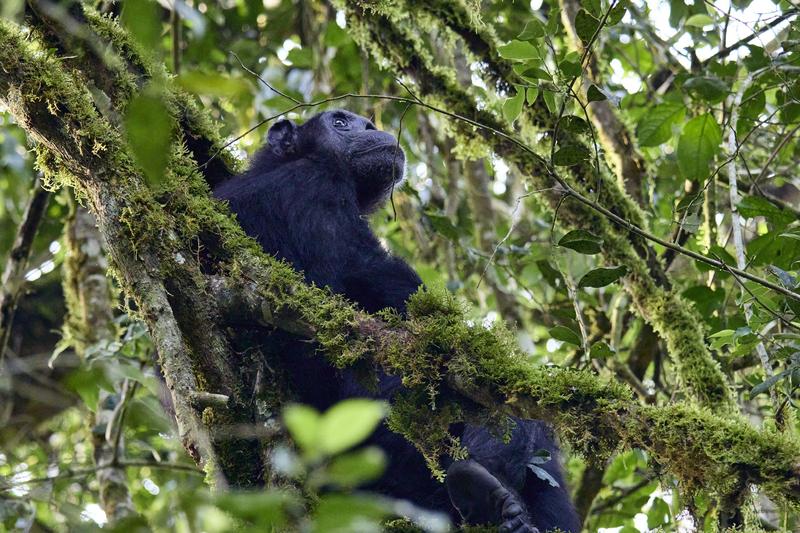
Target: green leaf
595 94
348 423
721 338
706 300
698 143
149 131
655 126
265 508
303 424
574 124
213 84
536 73
594 7
512 107
757 58
530 95
349 512
600 277
755 206
585 25
550 101
551 274
572 154
658 515
601 350
617 13
565 334
570 69
707 88
356 468
87 382
301 57
699 20
770 382
581 241
533 30
147 412
141 18
518 50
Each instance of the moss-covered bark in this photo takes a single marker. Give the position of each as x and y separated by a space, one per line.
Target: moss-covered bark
81 149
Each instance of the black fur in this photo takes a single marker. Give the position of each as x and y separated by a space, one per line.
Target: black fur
305 199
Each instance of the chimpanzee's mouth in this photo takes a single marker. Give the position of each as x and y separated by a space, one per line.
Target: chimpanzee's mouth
377 147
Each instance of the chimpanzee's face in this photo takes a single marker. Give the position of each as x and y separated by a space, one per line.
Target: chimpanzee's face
351 145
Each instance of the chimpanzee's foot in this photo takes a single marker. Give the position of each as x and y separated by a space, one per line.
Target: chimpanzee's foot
482 499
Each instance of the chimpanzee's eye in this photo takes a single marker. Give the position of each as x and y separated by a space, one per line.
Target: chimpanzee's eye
339 123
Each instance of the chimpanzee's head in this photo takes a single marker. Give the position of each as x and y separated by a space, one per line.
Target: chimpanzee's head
348 145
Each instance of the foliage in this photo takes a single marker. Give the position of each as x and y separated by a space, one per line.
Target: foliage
701 147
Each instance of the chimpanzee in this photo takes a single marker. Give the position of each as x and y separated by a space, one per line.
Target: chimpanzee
305 199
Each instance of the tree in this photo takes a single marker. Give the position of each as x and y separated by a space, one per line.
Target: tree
568 169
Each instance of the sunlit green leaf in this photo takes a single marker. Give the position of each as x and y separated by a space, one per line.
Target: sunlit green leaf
148 128
519 50
512 107
356 468
213 83
699 20
348 423
141 18
303 423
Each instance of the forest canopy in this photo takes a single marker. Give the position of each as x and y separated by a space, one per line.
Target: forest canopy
601 197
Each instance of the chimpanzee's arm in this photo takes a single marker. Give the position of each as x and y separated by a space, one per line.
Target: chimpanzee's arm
381 282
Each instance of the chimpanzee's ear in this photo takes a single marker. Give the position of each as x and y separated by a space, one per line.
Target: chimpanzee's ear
282 137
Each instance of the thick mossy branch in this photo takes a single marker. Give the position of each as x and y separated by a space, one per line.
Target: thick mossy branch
441 357
381 29
84 151
122 69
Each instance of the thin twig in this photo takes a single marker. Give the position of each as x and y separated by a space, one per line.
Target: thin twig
78 472
515 216
725 51
265 82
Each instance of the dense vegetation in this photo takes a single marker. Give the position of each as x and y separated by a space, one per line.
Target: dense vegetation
602 198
